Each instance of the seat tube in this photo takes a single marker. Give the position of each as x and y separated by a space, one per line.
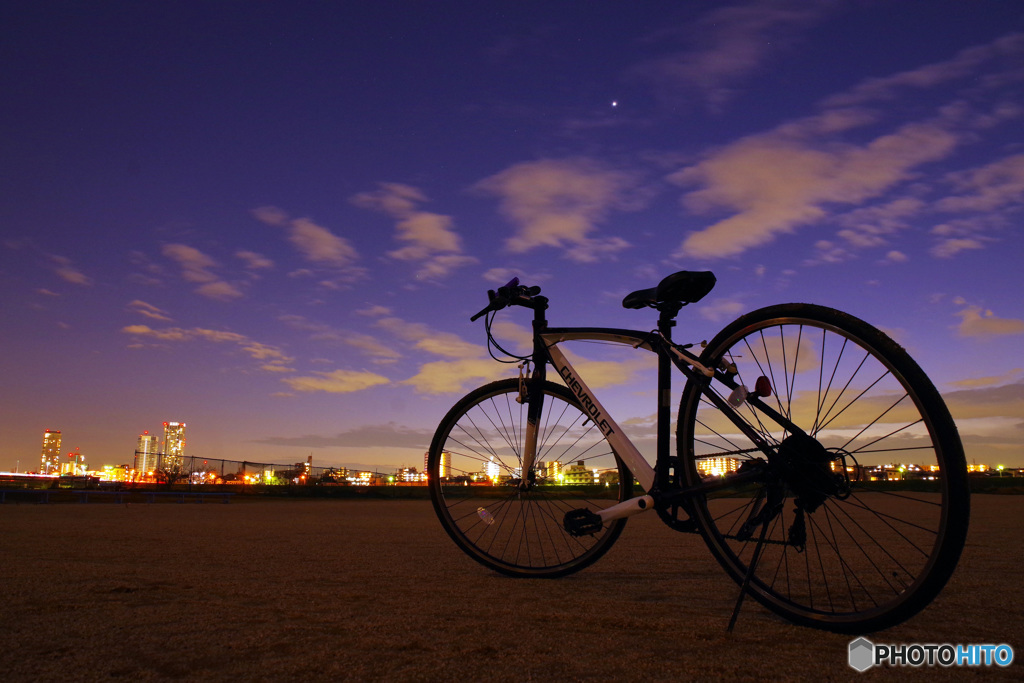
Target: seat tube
663 462
664 416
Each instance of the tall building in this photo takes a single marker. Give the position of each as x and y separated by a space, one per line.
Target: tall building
174 446
145 454
442 469
50 463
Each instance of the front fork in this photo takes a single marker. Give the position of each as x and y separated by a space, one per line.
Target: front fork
531 392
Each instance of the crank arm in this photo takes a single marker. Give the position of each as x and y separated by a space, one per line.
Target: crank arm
585 522
627 508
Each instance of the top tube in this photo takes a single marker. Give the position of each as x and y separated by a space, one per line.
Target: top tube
638 339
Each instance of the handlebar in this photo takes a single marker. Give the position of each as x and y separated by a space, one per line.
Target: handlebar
512 294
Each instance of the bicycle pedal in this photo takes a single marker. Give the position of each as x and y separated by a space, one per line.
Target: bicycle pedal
582 522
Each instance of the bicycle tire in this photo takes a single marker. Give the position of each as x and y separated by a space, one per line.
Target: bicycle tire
881 546
473 480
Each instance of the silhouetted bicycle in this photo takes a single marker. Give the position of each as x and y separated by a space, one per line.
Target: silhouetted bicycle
814 456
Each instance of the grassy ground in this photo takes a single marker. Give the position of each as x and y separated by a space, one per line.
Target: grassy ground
374 590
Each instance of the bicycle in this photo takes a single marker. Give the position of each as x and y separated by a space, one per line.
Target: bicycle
814 456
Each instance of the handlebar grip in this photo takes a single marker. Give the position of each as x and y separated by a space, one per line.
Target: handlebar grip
497 303
512 293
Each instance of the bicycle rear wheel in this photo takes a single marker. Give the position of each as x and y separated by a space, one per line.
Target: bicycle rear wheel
863 521
474 469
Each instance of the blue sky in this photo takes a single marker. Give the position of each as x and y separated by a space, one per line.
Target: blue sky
272 221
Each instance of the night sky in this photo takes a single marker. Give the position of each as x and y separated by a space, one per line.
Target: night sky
273 220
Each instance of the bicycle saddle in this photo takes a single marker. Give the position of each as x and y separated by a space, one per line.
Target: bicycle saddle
684 287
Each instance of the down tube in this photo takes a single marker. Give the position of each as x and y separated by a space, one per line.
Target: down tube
625 449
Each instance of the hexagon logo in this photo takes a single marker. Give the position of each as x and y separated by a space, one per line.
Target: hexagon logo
862 654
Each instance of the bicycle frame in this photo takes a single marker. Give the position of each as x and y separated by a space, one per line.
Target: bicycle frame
546 350
847 555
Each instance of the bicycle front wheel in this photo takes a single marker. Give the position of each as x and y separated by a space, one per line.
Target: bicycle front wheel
865 513
474 469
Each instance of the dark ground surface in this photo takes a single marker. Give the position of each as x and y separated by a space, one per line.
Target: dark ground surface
375 590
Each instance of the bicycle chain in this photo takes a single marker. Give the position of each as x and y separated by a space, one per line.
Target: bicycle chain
723 454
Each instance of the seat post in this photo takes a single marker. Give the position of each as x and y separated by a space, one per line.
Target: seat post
666 321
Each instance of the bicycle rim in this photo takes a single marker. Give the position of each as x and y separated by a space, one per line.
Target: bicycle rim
870 522
475 468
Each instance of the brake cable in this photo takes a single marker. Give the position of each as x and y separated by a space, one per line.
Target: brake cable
492 344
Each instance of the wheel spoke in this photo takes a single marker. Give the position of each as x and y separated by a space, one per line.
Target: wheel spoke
510 520
874 499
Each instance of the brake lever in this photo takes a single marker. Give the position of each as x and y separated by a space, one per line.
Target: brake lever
498 302
504 295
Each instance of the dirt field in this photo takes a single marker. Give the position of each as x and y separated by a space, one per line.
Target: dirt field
374 590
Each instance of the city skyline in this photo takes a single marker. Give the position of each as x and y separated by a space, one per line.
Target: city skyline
151 462
277 220
149 450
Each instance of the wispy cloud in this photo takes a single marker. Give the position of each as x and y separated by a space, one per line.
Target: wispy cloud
990 380
375 311
197 267
869 227
219 290
316 243
559 203
722 310
423 338
728 45
987 188
453 376
149 272
949 244
963 65
336 382
983 323
149 310
429 238
254 261
1005 400
988 413
172 334
500 276
269 357
463 362
803 171
378 350
781 180
600 374
984 201
320 245
67 271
